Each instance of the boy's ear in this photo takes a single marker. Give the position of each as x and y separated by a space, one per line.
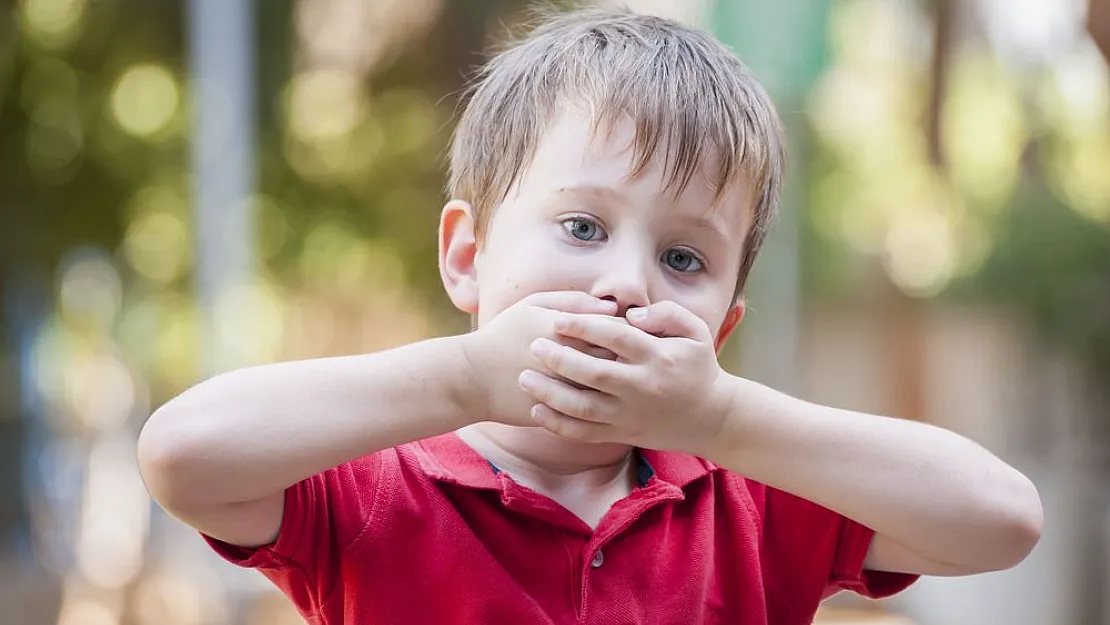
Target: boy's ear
458 249
732 319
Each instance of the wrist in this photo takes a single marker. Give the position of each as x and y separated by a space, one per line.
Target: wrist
467 393
729 403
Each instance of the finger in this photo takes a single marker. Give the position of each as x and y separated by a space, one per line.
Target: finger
599 374
586 348
585 404
614 334
568 427
572 302
668 319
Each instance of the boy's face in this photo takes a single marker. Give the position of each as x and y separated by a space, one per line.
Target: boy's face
576 221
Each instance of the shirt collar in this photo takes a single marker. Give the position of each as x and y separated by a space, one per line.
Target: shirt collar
447 458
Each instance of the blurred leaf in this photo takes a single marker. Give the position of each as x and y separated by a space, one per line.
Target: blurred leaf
1052 265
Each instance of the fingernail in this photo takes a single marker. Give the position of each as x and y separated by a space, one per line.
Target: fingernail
636 314
539 346
526 379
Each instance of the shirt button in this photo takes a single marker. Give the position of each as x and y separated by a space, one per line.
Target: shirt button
599 559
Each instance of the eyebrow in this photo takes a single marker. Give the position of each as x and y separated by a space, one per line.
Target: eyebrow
599 192
710 226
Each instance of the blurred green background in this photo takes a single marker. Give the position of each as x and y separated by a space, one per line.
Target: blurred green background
187 187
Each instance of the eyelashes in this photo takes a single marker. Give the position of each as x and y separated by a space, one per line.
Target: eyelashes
586 229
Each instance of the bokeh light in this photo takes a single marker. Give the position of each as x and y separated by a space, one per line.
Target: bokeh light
54 142
335 256
49 94
49 81
168 599
90 287
920 254
49 353
157 245
115 515
357 35
176 348
412 119
144 99
324 104
886 197
353 108
87 612
251 323
100 390
984 128
52 23
1076 103
332 137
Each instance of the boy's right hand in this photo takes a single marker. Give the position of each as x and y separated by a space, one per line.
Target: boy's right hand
500 350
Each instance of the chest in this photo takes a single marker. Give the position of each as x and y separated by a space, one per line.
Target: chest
654 557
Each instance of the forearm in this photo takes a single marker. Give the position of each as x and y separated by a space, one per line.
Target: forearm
931 490
250 433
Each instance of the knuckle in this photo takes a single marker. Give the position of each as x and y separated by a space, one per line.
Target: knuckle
621 341
602 377
555 357
571 429
583 432
541 393
567 428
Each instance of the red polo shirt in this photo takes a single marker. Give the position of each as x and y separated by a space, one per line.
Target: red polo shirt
430 532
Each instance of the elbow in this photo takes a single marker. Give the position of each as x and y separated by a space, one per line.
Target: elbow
1018 523
168 454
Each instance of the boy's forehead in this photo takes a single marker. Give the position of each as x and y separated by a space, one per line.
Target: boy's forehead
578 158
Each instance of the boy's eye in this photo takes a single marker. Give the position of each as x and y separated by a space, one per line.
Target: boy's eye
584 229
682 260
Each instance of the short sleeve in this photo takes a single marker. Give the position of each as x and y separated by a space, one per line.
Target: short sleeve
810 552
322 516
854 540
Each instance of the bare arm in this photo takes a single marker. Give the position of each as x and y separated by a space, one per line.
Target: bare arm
221 455
939 503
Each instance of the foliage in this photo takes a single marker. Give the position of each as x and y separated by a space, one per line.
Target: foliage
1053 266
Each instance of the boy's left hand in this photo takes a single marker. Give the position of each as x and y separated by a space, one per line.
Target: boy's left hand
664 391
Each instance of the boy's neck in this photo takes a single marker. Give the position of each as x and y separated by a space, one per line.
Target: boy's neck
564 470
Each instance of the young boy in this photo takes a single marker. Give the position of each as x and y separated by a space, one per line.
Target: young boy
581 457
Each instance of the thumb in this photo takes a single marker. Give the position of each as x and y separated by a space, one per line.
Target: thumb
668 319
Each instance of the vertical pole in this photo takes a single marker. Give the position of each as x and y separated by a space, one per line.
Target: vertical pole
221 54
221 57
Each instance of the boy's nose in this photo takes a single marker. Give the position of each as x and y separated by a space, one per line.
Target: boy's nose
625 285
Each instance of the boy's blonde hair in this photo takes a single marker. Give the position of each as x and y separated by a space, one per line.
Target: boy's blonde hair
686 93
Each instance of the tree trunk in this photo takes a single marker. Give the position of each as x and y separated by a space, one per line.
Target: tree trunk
1098 24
